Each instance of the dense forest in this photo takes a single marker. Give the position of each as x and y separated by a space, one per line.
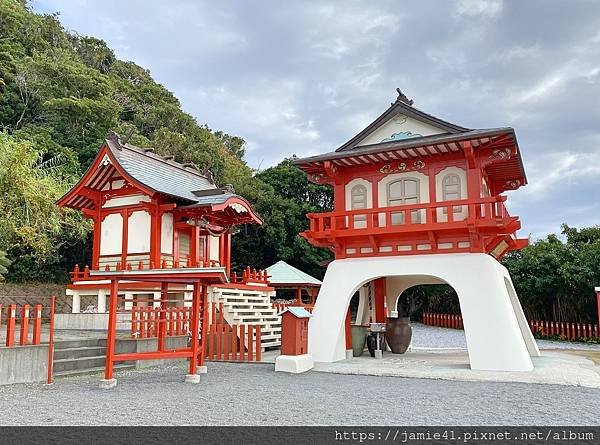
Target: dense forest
60 93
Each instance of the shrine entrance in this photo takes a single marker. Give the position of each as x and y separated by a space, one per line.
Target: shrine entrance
497 335
192 321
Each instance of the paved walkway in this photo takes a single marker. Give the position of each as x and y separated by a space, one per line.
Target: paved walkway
252 394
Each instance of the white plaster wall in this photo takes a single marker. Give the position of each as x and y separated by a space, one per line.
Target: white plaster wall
126 200
111 235
214 248
399 124
496 331
460 212
166 233
423 191
138 232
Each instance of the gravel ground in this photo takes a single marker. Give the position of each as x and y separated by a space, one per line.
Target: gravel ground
433 337
252 394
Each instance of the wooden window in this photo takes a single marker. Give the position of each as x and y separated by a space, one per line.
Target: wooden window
451 191
358 200
404 191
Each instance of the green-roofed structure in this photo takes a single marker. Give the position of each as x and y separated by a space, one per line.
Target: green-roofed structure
284 276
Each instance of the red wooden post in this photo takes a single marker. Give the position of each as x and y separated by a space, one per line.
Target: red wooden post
234 342
0 316
23 340
250 342
195 326
204 333
211 341
112 327
134 316
219 335
10 325
227 342
221 315
258 344
242 341
37 324
162 327
51 340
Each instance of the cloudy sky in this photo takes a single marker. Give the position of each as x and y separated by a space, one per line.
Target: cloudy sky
303 77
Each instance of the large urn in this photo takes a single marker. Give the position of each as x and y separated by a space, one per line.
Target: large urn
398 333
359 339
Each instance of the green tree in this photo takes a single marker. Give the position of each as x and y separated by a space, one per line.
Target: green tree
4 263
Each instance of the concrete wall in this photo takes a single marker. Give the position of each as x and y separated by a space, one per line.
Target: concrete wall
126 345
93 322
23 364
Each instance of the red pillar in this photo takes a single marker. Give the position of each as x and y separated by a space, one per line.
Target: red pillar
348 330
195 325
112 327
379 292
299 295
204 327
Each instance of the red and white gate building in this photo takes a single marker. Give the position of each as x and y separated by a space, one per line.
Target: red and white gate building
161 240
419 200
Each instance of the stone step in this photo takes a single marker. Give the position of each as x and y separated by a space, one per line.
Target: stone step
94 370
79 343
80 363
84 351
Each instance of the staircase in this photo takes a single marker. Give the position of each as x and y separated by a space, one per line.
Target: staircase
250 307
73 357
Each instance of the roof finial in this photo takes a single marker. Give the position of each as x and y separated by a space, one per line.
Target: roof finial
402 98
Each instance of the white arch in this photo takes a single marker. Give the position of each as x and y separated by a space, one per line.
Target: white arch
498 338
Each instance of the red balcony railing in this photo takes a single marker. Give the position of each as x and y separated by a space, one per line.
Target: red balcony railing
412 218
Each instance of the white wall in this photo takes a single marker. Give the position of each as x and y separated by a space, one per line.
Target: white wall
125 201
400 124
111 235
166 234
138 234
214 248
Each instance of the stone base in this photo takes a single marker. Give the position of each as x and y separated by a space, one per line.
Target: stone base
378 353
295 364
201 370
108 383
349 354
192 378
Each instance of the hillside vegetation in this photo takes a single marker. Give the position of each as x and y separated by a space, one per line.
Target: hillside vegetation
60 93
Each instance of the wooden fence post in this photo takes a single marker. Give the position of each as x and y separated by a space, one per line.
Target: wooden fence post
10 325
37 324
23 340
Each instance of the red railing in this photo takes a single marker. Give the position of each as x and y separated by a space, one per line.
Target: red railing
234 343
407 218
250 276
546 328
146 321
279 307
26 316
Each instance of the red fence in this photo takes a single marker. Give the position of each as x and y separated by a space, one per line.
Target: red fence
233 343
30 319
146 321
568 331
283 306
442 320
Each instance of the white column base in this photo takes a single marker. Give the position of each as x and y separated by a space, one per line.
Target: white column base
349 354
108 383
192 378
498 337
294 364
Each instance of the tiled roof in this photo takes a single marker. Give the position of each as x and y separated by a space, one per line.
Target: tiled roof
160 174
282 273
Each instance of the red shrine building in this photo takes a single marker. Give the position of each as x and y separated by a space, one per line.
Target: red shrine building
420 200
161 240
